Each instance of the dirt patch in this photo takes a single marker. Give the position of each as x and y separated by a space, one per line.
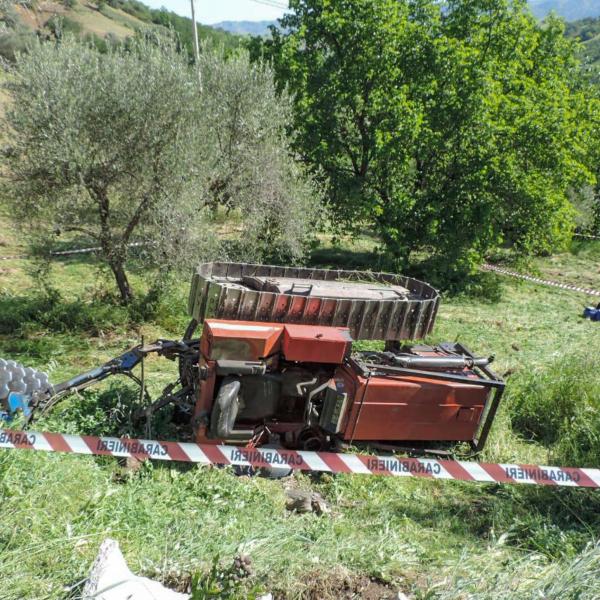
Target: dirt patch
339 584
343 585
37 18
177 582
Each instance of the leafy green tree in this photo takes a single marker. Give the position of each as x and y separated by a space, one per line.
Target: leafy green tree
457 127
100 146
593 206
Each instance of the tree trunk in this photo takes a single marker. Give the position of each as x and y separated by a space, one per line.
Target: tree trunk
122 282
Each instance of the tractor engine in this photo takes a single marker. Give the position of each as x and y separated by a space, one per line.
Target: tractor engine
276 362
304 385
265 377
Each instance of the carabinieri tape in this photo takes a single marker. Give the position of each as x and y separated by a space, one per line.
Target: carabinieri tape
558 284
328 462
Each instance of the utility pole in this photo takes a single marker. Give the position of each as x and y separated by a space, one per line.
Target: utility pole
196 45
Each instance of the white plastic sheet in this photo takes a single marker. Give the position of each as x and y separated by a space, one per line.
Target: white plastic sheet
111 579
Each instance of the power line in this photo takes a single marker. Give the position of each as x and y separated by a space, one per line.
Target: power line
271 3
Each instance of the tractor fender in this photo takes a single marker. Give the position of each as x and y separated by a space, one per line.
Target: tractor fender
225 408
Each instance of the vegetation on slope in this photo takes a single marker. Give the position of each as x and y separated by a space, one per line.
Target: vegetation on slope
588 32
102 23
431 539
181 25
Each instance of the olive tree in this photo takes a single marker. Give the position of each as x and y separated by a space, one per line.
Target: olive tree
250 170
100 146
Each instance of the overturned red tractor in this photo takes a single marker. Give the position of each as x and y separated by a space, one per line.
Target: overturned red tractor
277 362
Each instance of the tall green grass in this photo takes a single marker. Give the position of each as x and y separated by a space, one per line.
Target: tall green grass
559 406
530 577
23 314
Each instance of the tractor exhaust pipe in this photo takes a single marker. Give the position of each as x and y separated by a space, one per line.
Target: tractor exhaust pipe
437 362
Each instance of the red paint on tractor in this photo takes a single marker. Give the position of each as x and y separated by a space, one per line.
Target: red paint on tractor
410 408
314 344
240 340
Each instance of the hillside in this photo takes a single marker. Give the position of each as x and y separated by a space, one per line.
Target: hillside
570 10
100 22
245 27
588 32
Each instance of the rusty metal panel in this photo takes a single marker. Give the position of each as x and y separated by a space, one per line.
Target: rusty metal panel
193 293
311 311
297 309
218 291
234 271
248 306
277 272
290 272
340 313
327 311
199 301
418 326
282 306
430 316
405 324
219 269
212 293
263 270
265 306
231 300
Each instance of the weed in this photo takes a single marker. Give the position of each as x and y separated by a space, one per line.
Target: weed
560 408
229 582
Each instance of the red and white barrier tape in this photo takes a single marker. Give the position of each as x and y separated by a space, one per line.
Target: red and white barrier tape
587 236
563 286
328 462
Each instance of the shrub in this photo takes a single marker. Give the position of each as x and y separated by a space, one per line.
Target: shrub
250 168
62 25
560 408
49 311
13 43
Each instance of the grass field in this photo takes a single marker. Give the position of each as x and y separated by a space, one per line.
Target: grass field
430 539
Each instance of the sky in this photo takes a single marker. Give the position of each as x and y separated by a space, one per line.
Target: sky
214 11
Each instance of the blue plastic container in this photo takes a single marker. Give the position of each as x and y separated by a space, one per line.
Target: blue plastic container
589 312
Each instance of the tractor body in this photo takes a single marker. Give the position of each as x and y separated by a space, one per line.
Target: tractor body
306 386
277 362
